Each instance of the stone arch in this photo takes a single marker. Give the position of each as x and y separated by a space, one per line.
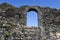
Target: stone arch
35 12
26 9
36 9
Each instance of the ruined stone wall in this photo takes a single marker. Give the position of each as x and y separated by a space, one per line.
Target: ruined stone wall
48 19
51 23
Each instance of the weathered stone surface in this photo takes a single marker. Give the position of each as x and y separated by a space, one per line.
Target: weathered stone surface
48 19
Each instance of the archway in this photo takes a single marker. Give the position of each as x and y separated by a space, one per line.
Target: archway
32 18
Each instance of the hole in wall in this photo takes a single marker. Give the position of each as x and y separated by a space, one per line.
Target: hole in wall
32 18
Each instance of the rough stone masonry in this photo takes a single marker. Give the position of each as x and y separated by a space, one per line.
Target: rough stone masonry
48 19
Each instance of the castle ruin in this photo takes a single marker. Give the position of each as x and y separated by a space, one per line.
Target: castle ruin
13 23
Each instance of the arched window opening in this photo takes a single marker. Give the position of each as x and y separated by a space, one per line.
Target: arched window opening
32 18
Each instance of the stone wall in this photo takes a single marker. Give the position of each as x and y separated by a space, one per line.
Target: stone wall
48 19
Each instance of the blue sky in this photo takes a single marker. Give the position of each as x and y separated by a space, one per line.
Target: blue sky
49 3
44 3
